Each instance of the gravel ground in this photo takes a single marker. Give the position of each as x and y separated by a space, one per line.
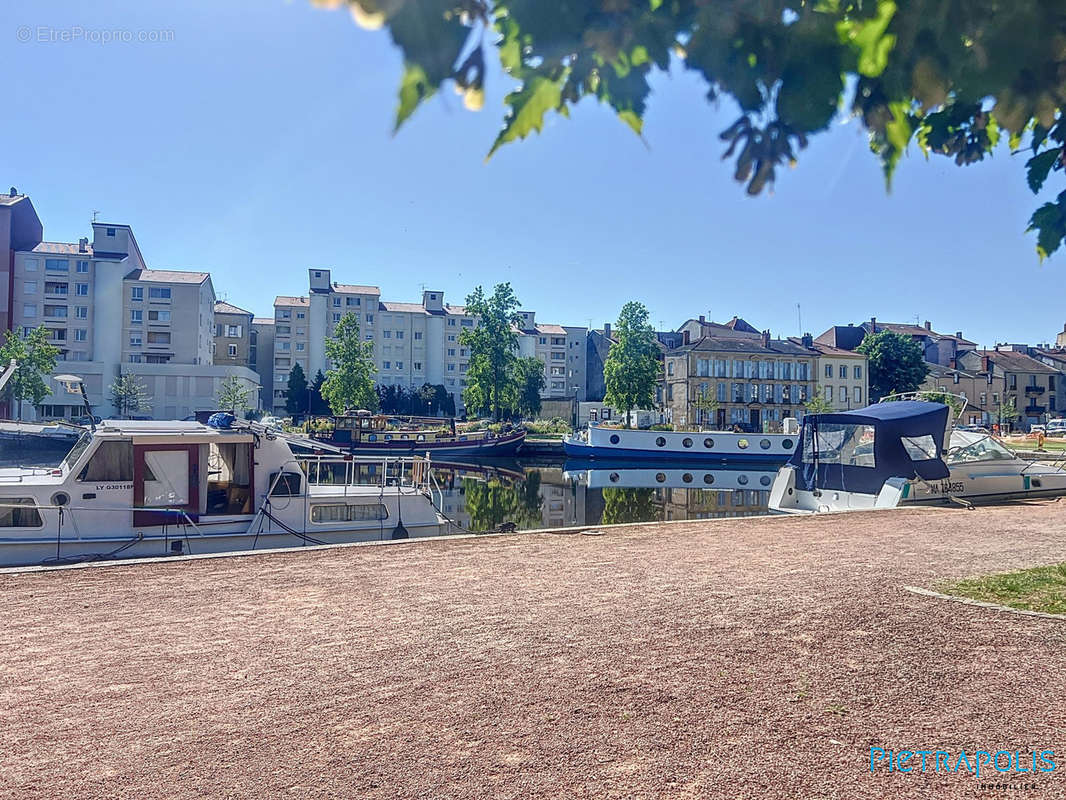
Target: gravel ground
749 658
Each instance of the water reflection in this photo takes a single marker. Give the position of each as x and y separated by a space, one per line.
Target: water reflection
538 494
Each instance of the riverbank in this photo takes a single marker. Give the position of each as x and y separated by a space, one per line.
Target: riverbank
748 658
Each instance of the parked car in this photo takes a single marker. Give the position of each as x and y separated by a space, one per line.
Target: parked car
975 428
1056 427
85 419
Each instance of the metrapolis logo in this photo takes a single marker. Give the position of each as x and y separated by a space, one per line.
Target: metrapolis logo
1016 761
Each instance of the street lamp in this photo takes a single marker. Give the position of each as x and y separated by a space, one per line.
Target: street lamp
76 385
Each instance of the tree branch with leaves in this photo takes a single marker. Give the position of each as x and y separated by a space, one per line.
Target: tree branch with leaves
631 369
349 381
35 357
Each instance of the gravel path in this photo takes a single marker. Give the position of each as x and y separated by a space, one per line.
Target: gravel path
756 658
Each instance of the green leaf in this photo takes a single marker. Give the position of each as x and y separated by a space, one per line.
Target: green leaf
1038 167
1050 223
870 39
414 88
537 95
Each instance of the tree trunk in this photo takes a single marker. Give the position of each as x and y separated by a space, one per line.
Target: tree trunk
629 415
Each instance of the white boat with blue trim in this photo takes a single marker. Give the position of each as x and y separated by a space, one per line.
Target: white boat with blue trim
135 489
614 444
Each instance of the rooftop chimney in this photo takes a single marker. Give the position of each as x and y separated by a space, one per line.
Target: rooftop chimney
958 334
607 329
684 337
766 339
808 340
984 364
702 319
83 244
873 324
928 325
14 191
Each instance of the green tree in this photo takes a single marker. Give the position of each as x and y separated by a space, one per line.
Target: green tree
625 505
129 395
631 368
493 502
296 392
1008 412
706 404
817 405
318 403
35 357
233 394
493 345
955 80
896 363
530 382
350 381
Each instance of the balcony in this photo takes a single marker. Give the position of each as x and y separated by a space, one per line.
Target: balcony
1036 390
1033 410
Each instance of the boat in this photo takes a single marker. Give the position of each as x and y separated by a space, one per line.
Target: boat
599 442
152 488
624 475
363 433
893 454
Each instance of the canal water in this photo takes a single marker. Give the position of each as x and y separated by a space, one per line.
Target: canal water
487 495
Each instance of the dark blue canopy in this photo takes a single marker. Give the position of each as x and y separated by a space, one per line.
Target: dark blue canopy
857 451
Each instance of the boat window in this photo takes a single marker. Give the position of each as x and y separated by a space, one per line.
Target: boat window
840 443
343 512
19 512
919 448
287 486
112 461
229 488
986 449
79 447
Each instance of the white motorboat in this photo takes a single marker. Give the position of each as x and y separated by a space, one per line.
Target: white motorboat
134 489
892 454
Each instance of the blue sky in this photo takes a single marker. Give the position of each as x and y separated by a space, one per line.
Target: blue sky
257 143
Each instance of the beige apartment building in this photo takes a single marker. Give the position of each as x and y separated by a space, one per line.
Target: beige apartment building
233 335
414 343
842 375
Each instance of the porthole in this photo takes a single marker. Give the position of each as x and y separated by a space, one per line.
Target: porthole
765 480
660 477
660 441
764 444
686 442
614 438
708 442
1035 483
613 477
62 498
742 480
743 444
788 444
708 478
687 477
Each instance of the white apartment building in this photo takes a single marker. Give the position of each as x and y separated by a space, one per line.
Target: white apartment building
414 343
109 313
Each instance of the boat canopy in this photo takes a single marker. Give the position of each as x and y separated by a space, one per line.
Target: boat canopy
857 451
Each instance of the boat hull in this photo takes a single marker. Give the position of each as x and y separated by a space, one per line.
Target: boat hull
500 447
615 444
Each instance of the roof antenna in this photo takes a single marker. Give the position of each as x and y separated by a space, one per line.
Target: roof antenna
799 319
95 214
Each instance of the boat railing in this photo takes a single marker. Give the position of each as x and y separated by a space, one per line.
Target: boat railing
414 472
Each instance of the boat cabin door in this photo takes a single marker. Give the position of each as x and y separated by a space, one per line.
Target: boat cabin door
165 476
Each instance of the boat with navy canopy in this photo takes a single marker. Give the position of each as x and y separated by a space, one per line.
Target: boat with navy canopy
901 453
148 488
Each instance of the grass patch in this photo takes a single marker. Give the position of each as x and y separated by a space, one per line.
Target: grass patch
1056 445
1035 589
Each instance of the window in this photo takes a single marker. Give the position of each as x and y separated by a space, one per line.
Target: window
158 337
843 372
136 316
418 366
399 334
233 349
112 461
20 512
451 337
81 312
451 323
337 317
299 331
843 394
160 316
158 292
369 319
399 365
285 346
234 331
838 443
56 265
418 335
995 398
451 352
451 368
353 301
137 293
386 365
348 512
136 358
542 340
110 231
55 288
386 334
336 302
857 372
829 393
81 289
135 340
29 311
81 355
285 484
856 392
829 370
300 315
82 266
299 347
984 398
29 287
318 274
30 264
81 335
286 314
468 323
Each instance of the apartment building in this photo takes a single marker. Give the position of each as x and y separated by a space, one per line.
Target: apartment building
233 335
414 343
741 381
1009 375
598 347
108 312
842 379
261 358
938 348
972 387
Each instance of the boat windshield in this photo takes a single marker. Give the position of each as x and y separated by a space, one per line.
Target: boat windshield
984 448
75 452
839 443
